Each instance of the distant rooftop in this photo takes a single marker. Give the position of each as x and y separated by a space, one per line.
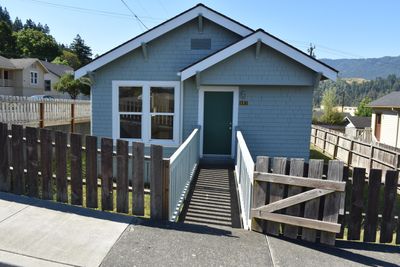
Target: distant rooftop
57 69
359 122
391 100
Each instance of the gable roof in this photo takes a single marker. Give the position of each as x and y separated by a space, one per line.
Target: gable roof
6 63
359 122
267 39
161 29
22 63
57 69
391 100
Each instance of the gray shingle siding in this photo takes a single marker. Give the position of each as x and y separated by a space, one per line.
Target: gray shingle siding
166 56
271 67
277 120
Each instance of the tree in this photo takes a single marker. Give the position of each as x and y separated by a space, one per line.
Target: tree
17 25
67 84
34 43
5 16
7 40
329 101
362 109
83 51
68 58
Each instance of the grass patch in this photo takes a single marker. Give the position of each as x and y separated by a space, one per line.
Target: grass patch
316 154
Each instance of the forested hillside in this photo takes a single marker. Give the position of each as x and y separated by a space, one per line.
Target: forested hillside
354 90
31 39
367 68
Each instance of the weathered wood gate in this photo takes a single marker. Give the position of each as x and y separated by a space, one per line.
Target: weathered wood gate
278 199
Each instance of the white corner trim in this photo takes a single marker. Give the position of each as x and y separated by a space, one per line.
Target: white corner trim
269 41
160 30
235 112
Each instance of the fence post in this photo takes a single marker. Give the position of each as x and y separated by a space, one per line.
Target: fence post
72 117
156 199
371 157
350 155
260 193
324 146
137 179
335 149
41 115
165 190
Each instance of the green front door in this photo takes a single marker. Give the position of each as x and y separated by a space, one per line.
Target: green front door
217 132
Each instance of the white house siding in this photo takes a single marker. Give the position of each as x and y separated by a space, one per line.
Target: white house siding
390 133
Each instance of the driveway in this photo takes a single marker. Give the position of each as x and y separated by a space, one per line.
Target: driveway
42 233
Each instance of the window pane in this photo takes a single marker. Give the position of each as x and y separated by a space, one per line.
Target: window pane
162 127
130 99
130 126
162 99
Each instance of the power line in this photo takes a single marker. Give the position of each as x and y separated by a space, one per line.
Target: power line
133 13
91 11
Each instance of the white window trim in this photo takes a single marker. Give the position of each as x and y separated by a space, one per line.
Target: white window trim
37 77
235 112
146 114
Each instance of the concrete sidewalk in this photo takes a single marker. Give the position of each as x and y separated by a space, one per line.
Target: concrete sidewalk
34 232
288 253
180 244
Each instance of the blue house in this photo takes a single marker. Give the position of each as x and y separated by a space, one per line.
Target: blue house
201 68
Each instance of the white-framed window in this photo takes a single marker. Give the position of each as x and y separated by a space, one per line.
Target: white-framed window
34 77
146 111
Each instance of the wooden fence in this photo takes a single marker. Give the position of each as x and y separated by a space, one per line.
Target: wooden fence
355 153
43 112
367 210
45 164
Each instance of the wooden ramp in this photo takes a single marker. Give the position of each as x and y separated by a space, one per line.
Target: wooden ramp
212 199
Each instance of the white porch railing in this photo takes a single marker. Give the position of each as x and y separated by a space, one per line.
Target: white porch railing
30 112
244 169
182 168
6 82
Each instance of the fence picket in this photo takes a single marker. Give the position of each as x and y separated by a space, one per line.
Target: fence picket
91 172
387 226
5 178
106 174
315 170
371 221
46 163
122 176
276 192
18 183
138 179
332 201
61 166
296 169
76 169
156 183
32 161
354 225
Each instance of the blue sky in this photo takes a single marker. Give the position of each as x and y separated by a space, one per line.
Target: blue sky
338 28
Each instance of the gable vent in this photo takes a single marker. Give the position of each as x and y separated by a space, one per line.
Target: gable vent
200 44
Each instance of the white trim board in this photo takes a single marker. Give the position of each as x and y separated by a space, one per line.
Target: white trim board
235 112
160 30
268 40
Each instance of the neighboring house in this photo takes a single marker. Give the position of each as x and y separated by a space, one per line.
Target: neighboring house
344 109
54 74
358 127
385 119
204 69
26 77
